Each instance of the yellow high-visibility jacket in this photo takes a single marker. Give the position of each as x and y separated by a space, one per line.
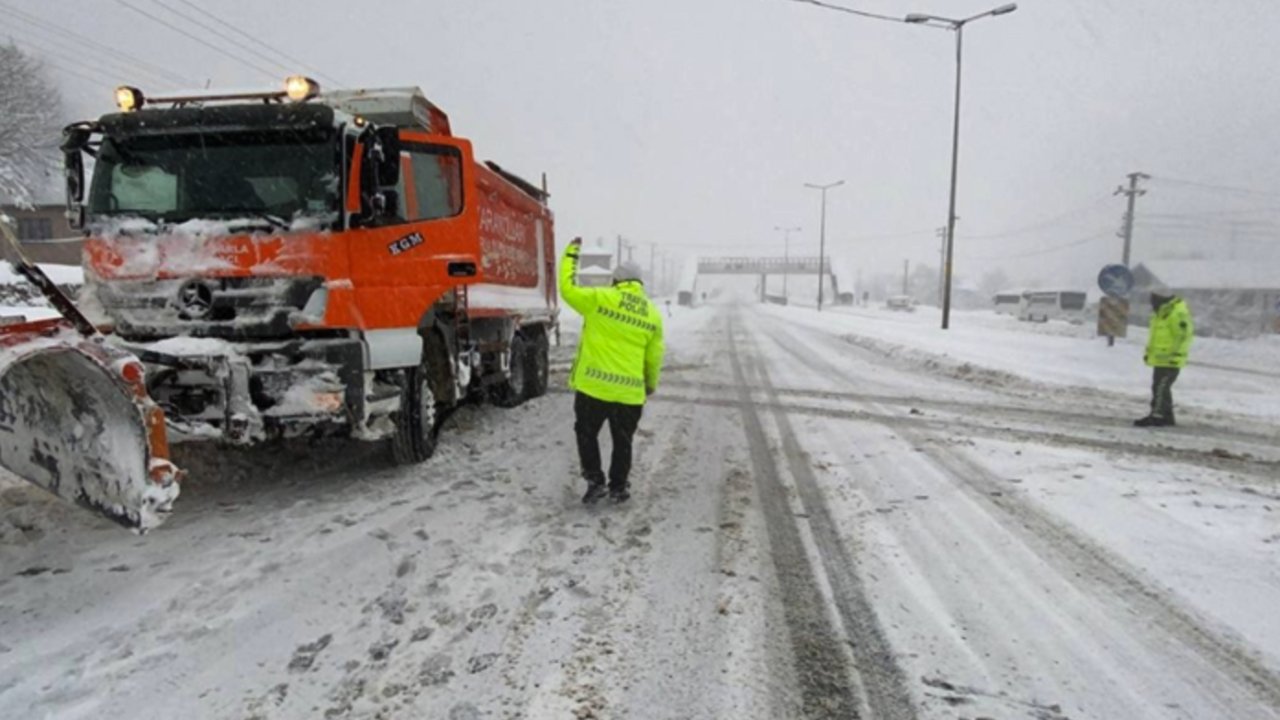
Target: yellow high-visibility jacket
620 353
1170 338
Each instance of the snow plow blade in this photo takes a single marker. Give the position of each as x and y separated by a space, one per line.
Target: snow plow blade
76 420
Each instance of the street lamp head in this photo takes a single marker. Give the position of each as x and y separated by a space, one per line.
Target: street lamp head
916 18
828 186
1005 9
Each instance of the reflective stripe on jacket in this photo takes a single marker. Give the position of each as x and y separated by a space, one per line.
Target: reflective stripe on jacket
1170 337
620 353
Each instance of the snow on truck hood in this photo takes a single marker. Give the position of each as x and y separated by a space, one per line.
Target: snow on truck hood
134 247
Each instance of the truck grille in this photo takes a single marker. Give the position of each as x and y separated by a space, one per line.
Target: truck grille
230 308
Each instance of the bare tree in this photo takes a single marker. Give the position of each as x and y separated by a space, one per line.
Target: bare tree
30 109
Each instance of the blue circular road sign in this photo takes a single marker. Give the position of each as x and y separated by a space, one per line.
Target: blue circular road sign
1116 281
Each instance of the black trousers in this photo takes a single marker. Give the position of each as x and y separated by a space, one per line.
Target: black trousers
1162 380
589 415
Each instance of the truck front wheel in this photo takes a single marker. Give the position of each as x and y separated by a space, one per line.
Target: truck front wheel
415 437
513 391
539 365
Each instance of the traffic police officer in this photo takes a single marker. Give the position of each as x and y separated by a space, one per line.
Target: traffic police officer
618 364
1168 342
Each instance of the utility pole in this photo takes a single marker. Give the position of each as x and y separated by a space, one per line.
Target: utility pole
653 248
906 274
958 26
1133 191
942 261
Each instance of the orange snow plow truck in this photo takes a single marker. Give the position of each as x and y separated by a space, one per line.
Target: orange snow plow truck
268 265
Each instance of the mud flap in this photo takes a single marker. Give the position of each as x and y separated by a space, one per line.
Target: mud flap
76 420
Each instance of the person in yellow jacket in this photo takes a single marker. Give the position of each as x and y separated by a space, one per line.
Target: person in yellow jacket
617 367
1167 346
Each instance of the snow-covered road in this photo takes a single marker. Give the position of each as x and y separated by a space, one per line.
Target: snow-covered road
819 529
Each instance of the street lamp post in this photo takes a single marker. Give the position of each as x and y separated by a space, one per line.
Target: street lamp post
958 27
822 234
786 254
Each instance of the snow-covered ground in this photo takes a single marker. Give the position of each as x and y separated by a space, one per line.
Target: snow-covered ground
60 274
832 518
27 311
18 298
1241 376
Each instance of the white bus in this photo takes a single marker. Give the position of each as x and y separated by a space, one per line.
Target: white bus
1046 305
1008 302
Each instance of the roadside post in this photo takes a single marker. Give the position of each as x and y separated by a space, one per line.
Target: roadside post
1116 283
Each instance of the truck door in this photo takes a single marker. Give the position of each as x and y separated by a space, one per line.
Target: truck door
401 268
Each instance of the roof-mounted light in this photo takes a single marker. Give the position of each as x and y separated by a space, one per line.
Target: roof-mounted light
299 88
129 98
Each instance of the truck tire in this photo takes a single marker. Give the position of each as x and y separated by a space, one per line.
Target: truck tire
539 366
415 437
513 391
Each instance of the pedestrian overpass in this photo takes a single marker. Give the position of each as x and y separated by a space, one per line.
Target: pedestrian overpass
834 269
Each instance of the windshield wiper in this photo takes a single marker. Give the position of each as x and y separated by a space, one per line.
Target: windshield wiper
232 218
272 220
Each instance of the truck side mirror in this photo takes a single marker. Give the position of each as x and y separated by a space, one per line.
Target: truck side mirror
73 171
75 140
388 161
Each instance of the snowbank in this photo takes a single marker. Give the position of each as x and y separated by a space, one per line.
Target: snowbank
59 274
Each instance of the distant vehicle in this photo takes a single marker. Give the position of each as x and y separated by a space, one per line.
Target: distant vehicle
1008 303
900 303
1046 305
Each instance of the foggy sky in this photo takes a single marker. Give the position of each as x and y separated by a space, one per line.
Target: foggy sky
695 123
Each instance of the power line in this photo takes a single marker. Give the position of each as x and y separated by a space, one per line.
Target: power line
1047 250
90 42
1211 186
851 11
46 56
1209 215
218 33
296 63
894 236
97 82
60 50
197 38
1040 224
233 41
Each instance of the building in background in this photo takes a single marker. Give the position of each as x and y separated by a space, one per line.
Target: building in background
43 230
595 266
1228 298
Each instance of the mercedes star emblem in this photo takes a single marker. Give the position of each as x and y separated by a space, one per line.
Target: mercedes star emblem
195 299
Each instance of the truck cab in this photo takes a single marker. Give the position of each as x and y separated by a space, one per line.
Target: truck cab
296 262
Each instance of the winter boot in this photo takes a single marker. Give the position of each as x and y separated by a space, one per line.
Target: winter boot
1148 421
619 493
595 491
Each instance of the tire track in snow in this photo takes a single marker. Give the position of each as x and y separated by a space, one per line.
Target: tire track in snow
1192 456
1009 384
1076 555
827 680
986 407
1206 456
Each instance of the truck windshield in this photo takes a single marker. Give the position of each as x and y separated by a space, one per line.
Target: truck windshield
274 175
